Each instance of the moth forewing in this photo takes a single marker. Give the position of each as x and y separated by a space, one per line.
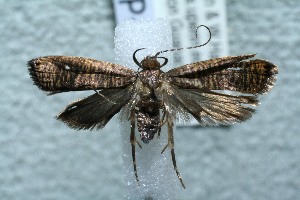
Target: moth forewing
206 66
65 73
251 77
82 65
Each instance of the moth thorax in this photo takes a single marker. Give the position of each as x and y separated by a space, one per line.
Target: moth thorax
150 63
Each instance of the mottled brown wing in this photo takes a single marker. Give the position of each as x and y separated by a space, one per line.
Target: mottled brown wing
228 73
208 65
95 110
56 74
207 107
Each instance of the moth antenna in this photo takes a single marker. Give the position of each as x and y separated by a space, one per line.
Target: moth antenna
189 47
165 61
134 58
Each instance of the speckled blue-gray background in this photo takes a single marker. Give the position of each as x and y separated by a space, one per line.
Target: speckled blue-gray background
40 158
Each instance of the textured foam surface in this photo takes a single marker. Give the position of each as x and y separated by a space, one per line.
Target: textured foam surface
155 170
41 158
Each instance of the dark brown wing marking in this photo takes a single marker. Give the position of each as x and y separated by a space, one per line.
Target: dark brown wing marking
200 67
65 73
252 77
95 110
208 107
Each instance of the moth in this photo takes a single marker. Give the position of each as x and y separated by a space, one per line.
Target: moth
150 98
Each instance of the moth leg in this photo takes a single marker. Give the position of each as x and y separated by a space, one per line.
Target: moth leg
133 141
161 123
171 145
165 147
133 119
136 141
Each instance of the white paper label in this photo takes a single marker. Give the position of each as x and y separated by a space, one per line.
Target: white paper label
184 16
133 9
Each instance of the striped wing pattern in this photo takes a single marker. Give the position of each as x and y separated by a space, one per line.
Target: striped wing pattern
66 73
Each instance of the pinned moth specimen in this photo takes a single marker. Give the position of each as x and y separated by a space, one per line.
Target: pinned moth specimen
150 97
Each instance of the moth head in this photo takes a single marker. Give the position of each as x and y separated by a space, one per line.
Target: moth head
149 62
